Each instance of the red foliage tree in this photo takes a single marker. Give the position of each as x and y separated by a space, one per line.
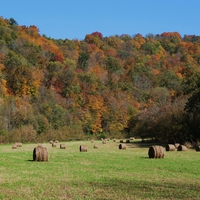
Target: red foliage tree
98 34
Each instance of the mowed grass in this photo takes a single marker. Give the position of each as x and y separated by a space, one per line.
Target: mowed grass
103 173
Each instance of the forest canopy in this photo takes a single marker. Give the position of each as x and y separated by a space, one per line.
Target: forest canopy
117 86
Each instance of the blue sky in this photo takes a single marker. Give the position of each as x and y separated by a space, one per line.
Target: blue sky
73 19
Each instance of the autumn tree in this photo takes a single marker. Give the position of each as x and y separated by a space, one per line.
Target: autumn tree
94 38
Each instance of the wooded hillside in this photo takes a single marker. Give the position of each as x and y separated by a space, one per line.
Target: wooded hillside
117 86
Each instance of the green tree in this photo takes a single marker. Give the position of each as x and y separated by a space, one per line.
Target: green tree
152 47
70 85
169 80
55 114
191 86
113 64
53 70
83 60
12 21
89 84
12 61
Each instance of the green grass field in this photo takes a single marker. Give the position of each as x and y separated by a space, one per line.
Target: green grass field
103 173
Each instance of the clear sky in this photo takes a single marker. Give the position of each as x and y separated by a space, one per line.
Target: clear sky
73 19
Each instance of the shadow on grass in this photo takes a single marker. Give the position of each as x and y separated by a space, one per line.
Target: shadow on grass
145 157
142 189
145 144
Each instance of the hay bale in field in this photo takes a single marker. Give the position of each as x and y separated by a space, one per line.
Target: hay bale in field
103 141
152 152
56 141
92 141
14 146
40 154
176 145
127 141
114 140
45 154
170 147
182 148
132 138
54 144
121 141
19 144
62 146
51 142
96 146
122 146
37 154
83 148
156 152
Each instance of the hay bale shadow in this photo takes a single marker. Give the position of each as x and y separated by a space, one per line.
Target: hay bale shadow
143 143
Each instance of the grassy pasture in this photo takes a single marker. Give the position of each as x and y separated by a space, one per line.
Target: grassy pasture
103 173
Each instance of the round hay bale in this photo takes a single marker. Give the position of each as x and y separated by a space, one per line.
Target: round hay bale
53 144
56 141
160 152
40 154
83 148
114 140
14 146
132 138
19 144
170 147
37 154
45 155
156 152
62 146
176 145
122 146
127 141
96 146
92 141
121 141
152 152
182 148
103 141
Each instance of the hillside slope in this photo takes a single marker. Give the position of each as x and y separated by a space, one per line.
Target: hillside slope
100 86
